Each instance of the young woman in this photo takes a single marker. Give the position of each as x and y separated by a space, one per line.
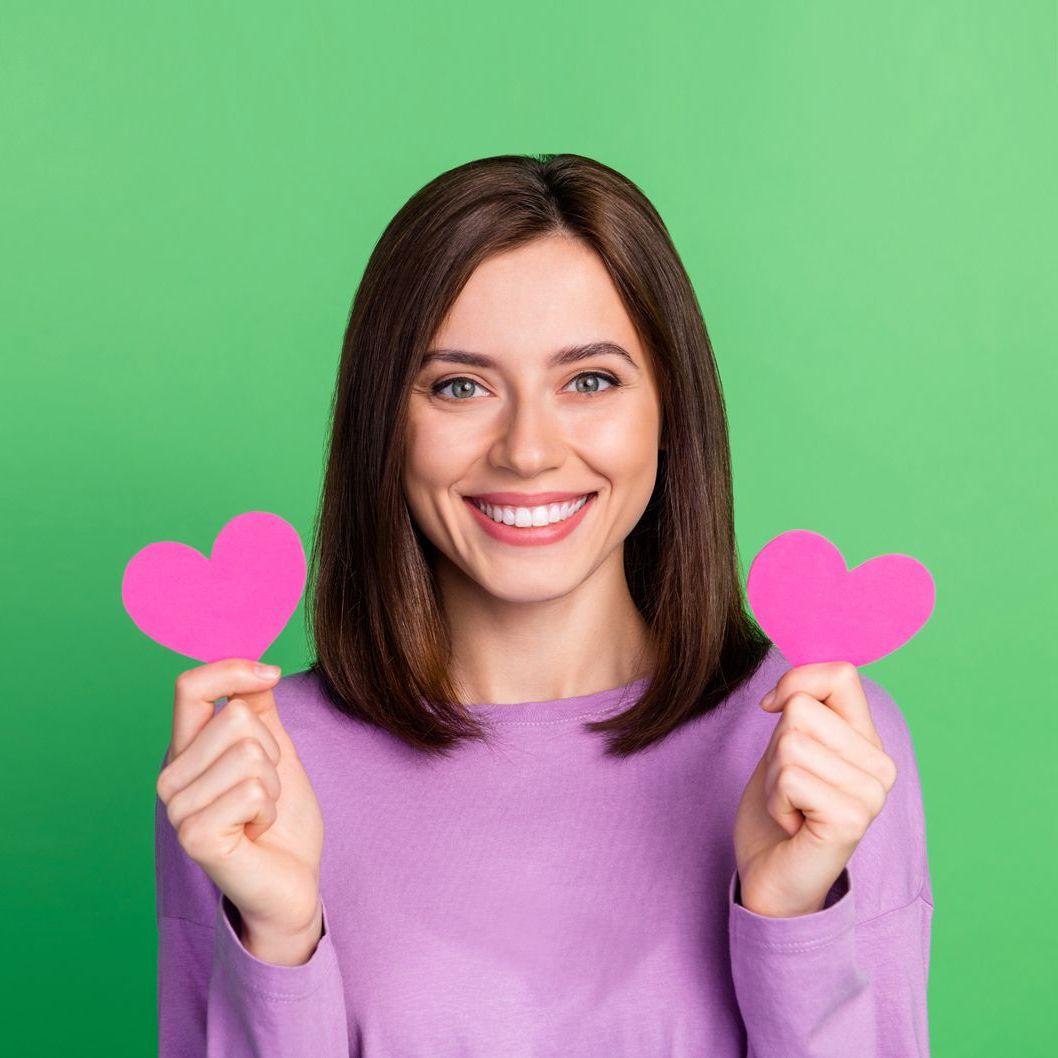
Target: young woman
530 799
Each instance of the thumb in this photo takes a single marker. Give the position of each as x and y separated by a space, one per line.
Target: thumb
263 703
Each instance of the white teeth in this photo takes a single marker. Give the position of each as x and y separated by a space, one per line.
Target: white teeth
524 517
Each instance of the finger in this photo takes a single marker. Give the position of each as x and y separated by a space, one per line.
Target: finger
804 713
837 685
245 759
217 832
829 814
199 688
235 722
803 751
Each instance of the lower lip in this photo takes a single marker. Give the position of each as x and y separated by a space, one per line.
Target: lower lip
533 535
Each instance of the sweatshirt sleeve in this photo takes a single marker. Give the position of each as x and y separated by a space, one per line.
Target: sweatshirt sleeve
217 999
852 977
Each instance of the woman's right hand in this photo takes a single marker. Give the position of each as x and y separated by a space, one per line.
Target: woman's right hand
243 806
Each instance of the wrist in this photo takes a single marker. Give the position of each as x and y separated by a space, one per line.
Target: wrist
282 947
770 907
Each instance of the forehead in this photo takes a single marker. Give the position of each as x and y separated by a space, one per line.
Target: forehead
536 298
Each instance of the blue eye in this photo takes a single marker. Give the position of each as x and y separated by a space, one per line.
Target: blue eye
613 382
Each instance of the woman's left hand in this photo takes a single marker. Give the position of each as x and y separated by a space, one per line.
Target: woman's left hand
822 781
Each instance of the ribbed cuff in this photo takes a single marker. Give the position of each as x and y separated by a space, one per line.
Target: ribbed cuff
271 979
835 918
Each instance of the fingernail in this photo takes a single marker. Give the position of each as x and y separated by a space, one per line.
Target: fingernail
267 672
767 699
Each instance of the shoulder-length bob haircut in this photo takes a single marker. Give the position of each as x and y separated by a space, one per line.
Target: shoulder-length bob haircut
382 648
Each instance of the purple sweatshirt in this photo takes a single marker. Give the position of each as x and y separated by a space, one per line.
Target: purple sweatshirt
538 898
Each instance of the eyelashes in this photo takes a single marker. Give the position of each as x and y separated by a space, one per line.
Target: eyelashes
436 388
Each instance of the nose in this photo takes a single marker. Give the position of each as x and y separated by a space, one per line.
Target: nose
530 441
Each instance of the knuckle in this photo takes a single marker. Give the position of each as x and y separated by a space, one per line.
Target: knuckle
239 671
787 743
251 750
238 711
247 671
190 835
891 773
858 819
172 811
845 671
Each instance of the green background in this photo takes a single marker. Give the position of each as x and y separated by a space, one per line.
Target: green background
864 196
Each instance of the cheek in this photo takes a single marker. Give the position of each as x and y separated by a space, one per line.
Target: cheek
622 444
439 443
427 449
624 450
435 457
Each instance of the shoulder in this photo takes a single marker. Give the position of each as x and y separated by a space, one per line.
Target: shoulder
888 717
313 721
301 705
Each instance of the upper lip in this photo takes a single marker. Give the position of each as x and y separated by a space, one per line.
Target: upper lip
527 499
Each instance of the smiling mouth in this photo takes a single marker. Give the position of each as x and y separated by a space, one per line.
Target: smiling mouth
531 517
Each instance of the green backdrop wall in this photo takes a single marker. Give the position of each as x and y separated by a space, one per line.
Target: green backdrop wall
864 196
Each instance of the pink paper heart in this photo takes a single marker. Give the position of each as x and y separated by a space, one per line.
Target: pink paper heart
814 609
231 605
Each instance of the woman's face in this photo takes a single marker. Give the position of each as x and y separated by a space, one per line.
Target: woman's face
516 422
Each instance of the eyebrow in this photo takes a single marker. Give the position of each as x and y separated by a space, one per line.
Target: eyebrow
570 354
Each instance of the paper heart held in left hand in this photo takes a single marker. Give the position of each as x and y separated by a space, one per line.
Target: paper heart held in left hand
814 609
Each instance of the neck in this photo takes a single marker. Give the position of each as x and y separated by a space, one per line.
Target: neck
541 647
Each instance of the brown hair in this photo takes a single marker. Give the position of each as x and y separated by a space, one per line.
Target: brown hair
377 620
